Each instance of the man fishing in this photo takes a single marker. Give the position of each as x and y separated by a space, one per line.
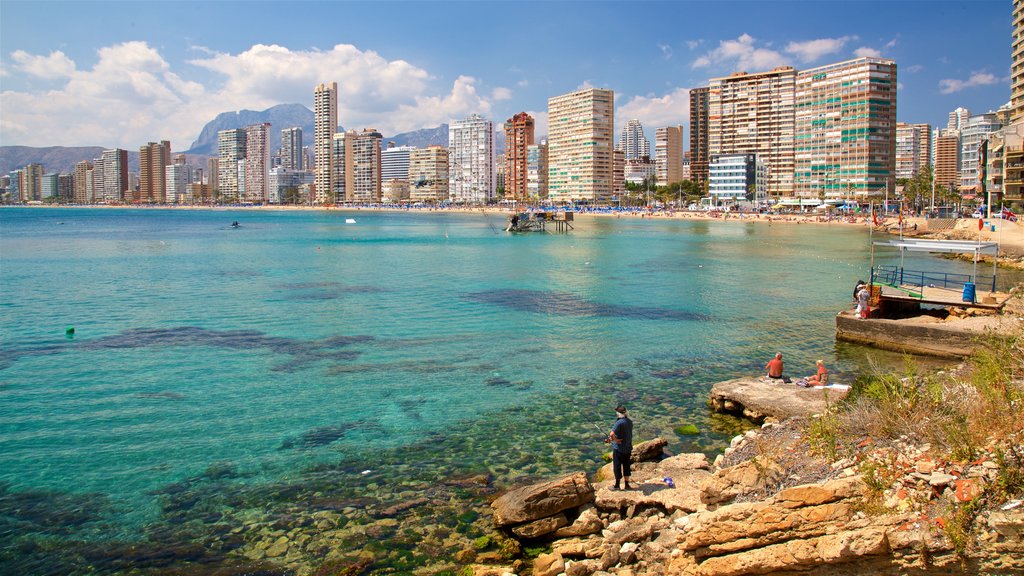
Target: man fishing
621 439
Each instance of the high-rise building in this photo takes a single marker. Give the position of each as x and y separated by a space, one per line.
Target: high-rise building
177 177
947 159
291 148
212 172
394 162
471 167
913 149
257 163
366 167
325 124
957 118
81 195
754 114
286 183
48 185
154 158
66 187
845 129
618 174
113 172
428 174
394 190
230 151
32 182
580 146
976 129
668 155
736 177
700 100
518 139
537 170
1017 63
632 141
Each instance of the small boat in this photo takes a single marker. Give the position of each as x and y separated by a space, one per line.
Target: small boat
235 224
350 220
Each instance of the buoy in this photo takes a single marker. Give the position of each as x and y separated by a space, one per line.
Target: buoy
69 331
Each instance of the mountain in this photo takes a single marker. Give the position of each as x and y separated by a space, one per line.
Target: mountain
420 138
280 117
53 159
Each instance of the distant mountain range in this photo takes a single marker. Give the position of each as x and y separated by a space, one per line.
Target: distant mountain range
63 159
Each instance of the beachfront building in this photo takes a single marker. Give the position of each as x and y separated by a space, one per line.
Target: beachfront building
845 130
946 150
958 118
154 158
257 163
913 149
81 189
618 174
394 190
177 177
285 184
639 171
632 141
428 174
580 148
48 185
518 139
471 178
537 170
700 100
668 155
113 173
291 149
394 162
325 124
230 151
734 178
976 129
356 161
754 114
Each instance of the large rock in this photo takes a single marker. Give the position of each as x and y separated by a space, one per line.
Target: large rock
649 451
541 527
588 522
727 483
756 399
541 500
548 565
796 555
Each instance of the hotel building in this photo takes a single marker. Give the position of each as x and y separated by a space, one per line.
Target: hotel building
736 177
700 99
972 132
845 129
394 162
580 159
947 159
754 114
257 163
230 151
154 158
291 149
537 170
913 149
428 174
668 155
325 124
113 173
518 139
81 187
471 165
632 141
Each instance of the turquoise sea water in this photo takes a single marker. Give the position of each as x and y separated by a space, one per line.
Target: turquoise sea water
277 369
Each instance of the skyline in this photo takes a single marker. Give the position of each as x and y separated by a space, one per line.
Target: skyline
133 84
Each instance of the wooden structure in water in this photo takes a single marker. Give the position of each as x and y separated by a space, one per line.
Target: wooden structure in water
539 221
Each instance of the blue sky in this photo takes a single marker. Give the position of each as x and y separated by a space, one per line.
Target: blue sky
125 73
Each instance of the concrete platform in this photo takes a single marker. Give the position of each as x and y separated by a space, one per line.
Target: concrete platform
909 336
756 399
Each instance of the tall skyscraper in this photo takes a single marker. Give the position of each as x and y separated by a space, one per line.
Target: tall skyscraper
518 139
976 129
700 100
257 163
753 113
154 158
230 151
913 149
114 174
957 118
32 182
668 155
325 124
177 177
291 148
428 174
633 142
471 166
845 128
1017 63
580 145
947 159
81 188
366 167
394 163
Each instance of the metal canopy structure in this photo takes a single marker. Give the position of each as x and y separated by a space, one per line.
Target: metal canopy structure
944 246
897 276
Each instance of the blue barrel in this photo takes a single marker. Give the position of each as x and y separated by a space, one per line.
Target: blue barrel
969 292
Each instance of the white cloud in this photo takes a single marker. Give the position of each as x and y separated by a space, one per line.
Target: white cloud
132 96
740 54
666 51
951 85
656 111
523 83
914 68
866 52
812 50
540 123
694 44
56 65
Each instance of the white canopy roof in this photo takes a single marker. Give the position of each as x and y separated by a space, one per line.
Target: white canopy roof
955 246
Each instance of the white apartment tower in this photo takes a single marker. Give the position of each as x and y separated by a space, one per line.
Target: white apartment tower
913 149
581 129
325 124
471 166
754 113
291 148
230 151
257 163
632 141
976 129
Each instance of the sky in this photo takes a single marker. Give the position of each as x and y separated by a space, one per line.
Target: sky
120 74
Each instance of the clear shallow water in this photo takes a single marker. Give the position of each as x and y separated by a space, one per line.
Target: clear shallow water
299 350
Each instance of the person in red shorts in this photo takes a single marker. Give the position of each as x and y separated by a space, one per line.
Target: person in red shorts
774 367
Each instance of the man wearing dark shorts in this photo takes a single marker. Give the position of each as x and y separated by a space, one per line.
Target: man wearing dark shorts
774 367
621 439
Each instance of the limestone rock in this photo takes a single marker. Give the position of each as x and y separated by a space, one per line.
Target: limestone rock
541 527
588 522
541 500
548 565
651 450
726 483
796 555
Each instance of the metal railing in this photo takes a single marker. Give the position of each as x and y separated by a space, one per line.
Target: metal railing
896 276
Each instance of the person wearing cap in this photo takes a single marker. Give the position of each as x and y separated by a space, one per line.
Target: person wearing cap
621 439
774 367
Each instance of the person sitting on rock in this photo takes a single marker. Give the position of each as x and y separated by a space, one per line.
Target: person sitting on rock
821 378
774 367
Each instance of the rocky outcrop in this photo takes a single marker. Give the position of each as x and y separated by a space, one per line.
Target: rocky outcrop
536 510
756 399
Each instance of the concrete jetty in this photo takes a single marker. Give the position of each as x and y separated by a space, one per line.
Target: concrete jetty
757 399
